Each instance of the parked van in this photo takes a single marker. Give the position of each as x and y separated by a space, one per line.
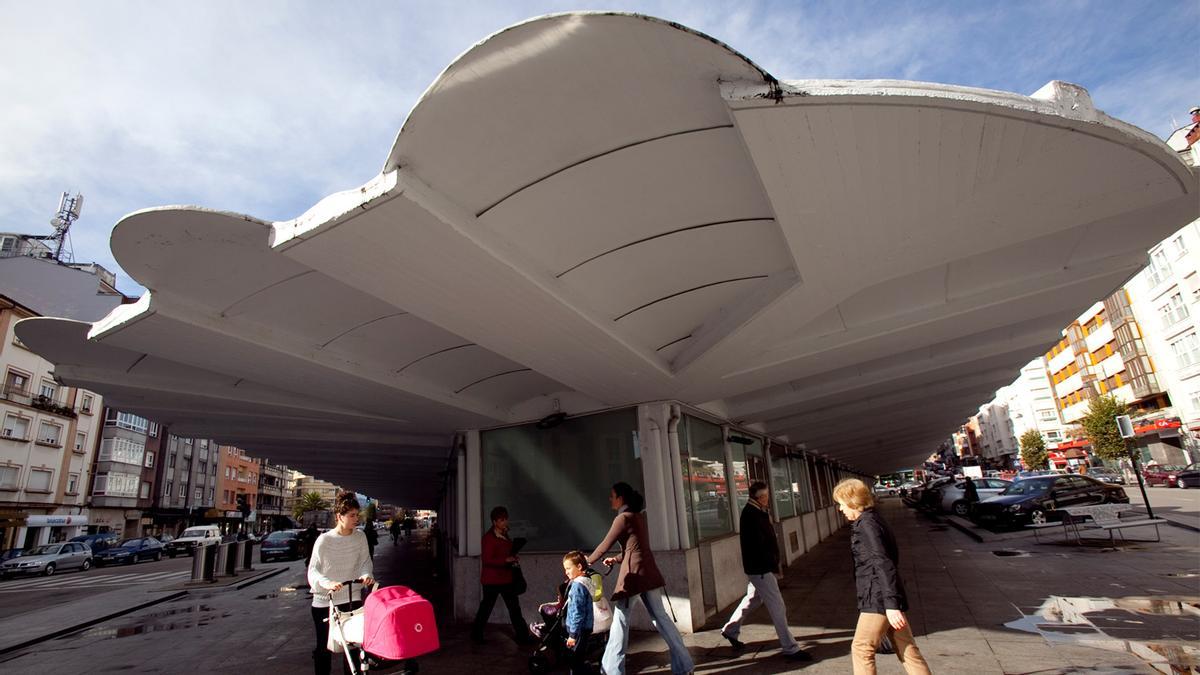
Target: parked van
192 538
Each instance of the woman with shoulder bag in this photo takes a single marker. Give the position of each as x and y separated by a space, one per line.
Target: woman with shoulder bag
497 573
881 598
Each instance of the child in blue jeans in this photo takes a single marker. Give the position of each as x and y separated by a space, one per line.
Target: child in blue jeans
579 616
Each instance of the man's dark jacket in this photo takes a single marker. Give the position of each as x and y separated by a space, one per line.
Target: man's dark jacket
760 551
875 557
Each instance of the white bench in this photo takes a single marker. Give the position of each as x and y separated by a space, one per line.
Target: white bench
1107 518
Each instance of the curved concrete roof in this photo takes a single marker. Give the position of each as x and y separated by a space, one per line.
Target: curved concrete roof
605 209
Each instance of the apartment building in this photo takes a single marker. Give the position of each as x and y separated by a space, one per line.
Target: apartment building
237 476
47 441
273 513
187 484
125 473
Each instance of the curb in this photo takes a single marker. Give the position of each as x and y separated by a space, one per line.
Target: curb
86 624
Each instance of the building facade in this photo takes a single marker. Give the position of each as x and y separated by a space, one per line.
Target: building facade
47 442
187 484
273 512
125 474
237 475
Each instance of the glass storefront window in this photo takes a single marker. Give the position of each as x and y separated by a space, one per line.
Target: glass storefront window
555 482
801 488
748 467
781 482
702 450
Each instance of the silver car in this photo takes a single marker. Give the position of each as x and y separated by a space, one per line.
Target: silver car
48 559
954 499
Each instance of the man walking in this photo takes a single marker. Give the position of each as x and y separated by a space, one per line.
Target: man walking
760 561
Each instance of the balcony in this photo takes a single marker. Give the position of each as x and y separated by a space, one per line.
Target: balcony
37 401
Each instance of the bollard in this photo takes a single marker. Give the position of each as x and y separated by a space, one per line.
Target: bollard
198 570
248 557
209 553
222 565
231 559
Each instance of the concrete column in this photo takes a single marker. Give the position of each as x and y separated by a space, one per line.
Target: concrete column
474 510
460 499
659 492
730 484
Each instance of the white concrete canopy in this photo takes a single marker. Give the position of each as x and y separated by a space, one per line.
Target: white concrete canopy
607 209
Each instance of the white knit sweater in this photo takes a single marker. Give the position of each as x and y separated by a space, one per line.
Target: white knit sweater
335 558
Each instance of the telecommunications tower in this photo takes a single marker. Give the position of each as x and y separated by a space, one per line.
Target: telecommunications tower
68 212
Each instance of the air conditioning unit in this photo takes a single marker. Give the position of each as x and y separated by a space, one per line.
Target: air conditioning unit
8 433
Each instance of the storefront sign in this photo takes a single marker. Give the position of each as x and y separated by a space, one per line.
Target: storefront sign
233 514
57 521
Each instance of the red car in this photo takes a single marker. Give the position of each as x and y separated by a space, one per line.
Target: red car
1160 474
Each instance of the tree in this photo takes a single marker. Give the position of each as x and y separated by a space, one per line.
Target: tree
1100 426
310 501
1033 450
369 513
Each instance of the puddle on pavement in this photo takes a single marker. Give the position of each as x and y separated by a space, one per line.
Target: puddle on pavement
1012 553
1163 631
1182 575
179 618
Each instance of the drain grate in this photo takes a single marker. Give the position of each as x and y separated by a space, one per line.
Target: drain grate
1011 553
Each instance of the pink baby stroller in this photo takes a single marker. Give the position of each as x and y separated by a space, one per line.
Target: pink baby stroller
394 626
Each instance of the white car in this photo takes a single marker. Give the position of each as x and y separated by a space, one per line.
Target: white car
953 497
192 538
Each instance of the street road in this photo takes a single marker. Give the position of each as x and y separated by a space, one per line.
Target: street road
1182 506
22 594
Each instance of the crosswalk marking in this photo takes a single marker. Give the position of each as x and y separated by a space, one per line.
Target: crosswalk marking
84 579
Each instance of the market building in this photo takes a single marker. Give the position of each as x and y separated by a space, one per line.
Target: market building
667 267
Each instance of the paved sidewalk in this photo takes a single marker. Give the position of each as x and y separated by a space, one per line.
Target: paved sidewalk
962 595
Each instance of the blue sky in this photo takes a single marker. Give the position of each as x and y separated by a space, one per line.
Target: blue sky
265 107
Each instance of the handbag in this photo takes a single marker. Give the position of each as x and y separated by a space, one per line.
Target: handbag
519 586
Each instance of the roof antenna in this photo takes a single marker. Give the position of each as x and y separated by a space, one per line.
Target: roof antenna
68 212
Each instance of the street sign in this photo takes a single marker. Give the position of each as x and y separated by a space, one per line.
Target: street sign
1124 426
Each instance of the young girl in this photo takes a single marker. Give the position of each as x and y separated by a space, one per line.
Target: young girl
579 618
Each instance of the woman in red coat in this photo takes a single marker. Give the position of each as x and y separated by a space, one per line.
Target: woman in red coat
496 575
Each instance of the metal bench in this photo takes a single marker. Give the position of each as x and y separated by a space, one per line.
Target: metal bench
1107 518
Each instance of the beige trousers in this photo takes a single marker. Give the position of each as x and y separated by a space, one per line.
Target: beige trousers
870 630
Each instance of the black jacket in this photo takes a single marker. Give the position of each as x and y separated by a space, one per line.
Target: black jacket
875 558
760 551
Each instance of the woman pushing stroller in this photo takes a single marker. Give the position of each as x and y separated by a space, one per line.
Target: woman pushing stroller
337 555
638 578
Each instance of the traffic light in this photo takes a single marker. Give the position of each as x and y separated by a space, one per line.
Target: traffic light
243 505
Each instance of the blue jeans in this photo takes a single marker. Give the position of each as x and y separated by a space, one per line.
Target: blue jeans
618 635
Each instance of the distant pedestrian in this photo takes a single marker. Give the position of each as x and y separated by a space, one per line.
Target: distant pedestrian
308 538
372 536
338 555
881 598
760 562
395 530
496 577
970 494
638 578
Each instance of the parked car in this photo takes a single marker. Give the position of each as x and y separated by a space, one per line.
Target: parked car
48 559
198 535
1189 476
165 538
1106 475
954 495
906 486
282 544
1035 500
886 490
1160 474
130 551
10 553
97 542
929 495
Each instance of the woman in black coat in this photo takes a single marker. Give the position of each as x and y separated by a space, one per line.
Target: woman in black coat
881 599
